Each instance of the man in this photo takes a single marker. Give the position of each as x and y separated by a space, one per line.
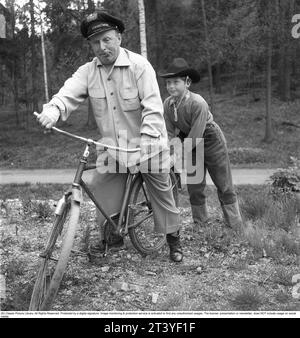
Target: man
126 102
187 115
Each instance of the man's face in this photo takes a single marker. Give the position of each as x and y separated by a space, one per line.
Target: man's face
176 86
106 46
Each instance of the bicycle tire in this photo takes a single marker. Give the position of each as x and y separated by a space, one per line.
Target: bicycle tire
137 233
45 291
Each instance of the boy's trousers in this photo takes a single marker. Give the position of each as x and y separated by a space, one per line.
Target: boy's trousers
216 161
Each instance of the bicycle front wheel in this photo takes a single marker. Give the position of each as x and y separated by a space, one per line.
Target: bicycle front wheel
141 228
55 257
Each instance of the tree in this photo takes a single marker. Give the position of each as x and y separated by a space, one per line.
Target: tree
267 22
269 129
208 57
33 58
15 66
286 48
142 24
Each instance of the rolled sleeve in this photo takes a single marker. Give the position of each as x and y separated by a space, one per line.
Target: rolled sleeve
73 93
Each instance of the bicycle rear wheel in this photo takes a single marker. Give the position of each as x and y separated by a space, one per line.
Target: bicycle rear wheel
141 228
55 257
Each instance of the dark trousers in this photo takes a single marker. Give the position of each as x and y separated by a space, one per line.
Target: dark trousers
216 161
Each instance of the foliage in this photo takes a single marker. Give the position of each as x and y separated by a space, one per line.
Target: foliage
236 39
247 299
286 180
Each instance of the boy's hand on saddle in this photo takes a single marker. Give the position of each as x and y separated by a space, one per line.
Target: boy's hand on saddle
49 116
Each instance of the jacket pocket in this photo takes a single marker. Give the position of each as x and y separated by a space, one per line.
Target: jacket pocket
98 101
130 99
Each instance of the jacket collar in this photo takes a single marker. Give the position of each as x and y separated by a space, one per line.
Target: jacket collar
186 96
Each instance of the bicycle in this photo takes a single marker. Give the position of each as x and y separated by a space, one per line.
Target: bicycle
135 219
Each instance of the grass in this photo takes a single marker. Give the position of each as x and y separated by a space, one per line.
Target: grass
283 276
247 299
247 272
33 191
254 206
41 210
241 120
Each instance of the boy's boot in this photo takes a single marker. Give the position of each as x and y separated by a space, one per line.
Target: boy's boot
200 214
232 215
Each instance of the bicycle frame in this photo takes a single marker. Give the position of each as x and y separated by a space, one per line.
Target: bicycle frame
78 183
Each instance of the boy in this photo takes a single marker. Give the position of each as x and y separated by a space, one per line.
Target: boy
187 115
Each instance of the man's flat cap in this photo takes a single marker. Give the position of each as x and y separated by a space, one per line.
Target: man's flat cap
99 22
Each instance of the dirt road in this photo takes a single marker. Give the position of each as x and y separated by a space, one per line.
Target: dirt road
240 176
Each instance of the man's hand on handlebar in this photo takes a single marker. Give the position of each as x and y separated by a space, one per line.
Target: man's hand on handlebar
49 116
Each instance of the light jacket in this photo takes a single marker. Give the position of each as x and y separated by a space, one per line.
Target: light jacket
126 101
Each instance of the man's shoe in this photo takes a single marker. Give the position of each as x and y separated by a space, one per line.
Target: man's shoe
176 254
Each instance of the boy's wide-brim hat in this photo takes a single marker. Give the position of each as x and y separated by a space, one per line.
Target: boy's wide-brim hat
99 22
180 68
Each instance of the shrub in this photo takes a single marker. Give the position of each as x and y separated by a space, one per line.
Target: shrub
27 205
287 180
247 299
40 209
282 214
14 267
283 276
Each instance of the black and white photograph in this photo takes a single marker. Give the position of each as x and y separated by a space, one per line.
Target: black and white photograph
150 161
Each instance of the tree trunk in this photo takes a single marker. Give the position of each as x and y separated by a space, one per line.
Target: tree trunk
44 63
218 78
142 22
290 52
285 12
158 36
16 92
26 99
218 65
33 59
209 67
2 67
269 129
14 70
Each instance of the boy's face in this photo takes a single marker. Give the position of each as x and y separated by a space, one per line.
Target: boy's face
176 86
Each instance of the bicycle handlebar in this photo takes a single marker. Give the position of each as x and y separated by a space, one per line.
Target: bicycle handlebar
90 141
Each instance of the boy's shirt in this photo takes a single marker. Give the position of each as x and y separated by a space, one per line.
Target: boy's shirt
191 117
